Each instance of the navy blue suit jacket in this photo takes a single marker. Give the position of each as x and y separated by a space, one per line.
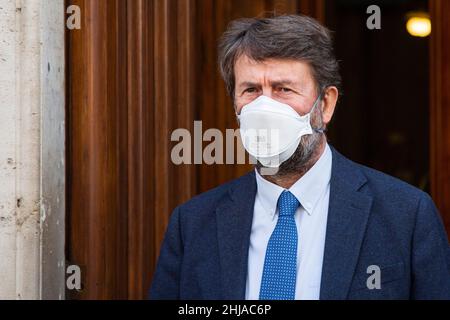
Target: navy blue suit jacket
373 219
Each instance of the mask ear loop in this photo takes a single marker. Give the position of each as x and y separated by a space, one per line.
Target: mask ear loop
319 98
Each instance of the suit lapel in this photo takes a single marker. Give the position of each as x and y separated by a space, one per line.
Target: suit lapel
348 214
347 219
234 221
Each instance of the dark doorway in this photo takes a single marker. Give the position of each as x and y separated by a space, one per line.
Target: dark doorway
382 119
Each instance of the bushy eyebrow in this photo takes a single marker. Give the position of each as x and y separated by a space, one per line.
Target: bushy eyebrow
248 84
276 83
282 82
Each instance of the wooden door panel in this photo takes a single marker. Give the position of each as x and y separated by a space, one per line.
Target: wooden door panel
136 71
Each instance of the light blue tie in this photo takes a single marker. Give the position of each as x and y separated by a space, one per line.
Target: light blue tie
280 265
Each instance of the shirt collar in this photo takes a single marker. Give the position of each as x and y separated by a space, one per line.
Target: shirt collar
308 189
268 193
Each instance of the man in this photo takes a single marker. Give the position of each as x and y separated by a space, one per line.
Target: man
307 223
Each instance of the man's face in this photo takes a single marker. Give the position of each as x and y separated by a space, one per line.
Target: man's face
287 81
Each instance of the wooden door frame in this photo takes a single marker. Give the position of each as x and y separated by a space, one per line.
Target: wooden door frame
440 107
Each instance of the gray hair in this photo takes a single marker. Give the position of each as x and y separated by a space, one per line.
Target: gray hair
282 37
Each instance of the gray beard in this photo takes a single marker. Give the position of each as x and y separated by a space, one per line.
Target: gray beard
306 152
300 161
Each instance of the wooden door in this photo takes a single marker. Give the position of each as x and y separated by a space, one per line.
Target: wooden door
122 106
137 70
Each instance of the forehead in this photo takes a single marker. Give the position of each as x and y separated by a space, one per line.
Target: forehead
246 69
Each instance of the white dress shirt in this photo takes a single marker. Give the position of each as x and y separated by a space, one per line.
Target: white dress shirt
313 192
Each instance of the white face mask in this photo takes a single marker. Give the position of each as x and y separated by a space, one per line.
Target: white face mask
271 131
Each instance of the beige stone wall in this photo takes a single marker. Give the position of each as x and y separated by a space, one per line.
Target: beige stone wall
24 91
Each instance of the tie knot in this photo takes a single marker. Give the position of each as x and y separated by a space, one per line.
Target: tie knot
287 204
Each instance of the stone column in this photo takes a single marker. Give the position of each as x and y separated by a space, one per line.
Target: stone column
32 203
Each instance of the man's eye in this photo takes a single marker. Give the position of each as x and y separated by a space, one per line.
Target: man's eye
285 90
250 90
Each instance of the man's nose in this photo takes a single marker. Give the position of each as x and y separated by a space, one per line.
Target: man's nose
268 92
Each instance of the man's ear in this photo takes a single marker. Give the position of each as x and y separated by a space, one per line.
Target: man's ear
329 100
